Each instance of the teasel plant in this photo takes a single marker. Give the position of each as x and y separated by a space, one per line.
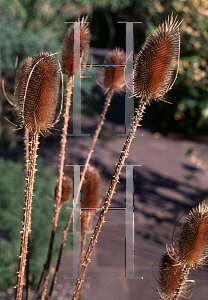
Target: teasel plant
154 67
19 81
37 92
70 68
191 252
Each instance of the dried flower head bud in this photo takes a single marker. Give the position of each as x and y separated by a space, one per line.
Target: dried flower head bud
90 192
155 63
193 238
67 60
66 192
114 75
172 276
21 76
39 92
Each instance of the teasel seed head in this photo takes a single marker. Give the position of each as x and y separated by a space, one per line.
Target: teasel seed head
114 75
172 276
38 93
67 188
90 191
193 238
155 63
67 61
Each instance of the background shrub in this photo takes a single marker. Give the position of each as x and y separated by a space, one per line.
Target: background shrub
12 185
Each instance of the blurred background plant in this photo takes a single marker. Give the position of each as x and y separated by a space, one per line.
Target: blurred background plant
12 183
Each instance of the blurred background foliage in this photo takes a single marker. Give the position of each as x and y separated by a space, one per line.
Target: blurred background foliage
28 27
12 183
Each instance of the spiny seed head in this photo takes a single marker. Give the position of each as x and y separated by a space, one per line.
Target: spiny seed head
38 92
171 281
90 192
156 62
67 59
66 192
114 75
193 238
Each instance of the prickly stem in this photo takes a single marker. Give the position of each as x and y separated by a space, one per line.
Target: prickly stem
27 213
124 153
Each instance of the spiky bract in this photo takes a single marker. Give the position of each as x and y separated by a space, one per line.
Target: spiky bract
39 92
155 63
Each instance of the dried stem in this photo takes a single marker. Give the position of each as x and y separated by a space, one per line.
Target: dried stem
27 214
27 269
58 263
102 119
106 105
124 153
58 199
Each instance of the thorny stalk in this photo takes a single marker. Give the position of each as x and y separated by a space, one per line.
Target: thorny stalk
58 199
27 214
64 237
124 153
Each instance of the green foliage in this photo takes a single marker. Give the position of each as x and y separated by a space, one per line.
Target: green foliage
7 267
12 185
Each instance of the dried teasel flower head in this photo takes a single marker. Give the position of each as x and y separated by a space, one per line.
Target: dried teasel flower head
90 199
66 191
38 93
90 191
83 39
172 276
155 63
193 238
114 70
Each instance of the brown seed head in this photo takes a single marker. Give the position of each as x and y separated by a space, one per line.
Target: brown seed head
90 192
155 63
193 238
67 188
67 60
171 279
114 75
39 92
